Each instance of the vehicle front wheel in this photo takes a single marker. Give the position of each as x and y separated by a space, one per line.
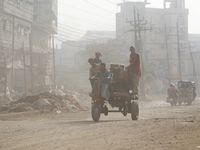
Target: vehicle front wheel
95 112
134 111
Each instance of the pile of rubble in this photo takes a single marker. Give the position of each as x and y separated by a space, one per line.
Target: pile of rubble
55 101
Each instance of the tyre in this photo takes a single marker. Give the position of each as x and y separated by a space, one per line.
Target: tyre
95 112
106 111
134 111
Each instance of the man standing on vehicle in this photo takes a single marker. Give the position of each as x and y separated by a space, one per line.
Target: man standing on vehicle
135 70
93 70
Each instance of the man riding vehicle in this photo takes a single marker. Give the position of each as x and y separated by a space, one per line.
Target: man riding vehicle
104 76
172 91
172 95
93 70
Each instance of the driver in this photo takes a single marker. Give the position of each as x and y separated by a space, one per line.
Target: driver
104 76
93 70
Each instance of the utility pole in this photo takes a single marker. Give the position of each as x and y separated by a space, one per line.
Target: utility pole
31 60
195 73
167 50
6 78
24 60
54 65
140 50
13 47
135 25
179 53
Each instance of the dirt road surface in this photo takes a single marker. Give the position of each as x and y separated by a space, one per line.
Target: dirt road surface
158 128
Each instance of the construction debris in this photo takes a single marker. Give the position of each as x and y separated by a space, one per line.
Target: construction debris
55 101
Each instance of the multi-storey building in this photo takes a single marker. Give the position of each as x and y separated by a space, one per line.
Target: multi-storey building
43 26
30 22
15 27
155 44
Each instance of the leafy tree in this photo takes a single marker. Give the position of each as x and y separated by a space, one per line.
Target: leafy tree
112 53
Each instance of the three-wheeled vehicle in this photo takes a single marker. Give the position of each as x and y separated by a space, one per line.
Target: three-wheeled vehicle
186 92
121 96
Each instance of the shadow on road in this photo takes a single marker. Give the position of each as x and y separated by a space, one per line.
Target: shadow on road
86 122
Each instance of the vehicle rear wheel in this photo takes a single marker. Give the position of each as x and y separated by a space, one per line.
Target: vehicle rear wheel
134 111
95 112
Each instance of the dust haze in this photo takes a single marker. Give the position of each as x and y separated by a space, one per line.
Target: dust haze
103 74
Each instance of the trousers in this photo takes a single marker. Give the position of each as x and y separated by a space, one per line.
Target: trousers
135 82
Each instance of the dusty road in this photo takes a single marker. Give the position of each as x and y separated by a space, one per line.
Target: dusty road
158 128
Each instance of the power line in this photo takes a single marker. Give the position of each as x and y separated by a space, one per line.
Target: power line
98 7
46 20
171 63
132 12
118 37
87 21
68 43
91 13
28 18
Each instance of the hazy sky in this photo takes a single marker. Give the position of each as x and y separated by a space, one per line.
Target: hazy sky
78 16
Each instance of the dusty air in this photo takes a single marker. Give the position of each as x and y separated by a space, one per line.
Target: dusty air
103 74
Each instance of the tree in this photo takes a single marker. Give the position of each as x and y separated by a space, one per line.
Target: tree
112 53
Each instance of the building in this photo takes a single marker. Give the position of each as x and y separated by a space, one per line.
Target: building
43 26
15 27
154 48
26 27
194 40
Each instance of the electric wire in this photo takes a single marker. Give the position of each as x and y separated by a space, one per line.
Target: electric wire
91 13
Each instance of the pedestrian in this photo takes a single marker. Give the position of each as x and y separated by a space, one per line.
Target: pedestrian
135 70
